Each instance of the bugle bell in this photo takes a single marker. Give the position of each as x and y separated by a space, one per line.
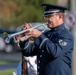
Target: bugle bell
7 37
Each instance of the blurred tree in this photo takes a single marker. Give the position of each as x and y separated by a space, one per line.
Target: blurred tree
6 9
17 12
63 3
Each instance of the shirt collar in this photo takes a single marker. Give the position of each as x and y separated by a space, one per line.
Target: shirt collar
60 27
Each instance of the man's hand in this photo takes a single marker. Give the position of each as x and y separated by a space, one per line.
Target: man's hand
32 32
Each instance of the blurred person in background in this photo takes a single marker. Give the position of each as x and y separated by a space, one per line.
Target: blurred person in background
54 47
31 66
31 62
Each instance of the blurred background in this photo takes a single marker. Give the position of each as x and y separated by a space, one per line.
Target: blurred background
15 13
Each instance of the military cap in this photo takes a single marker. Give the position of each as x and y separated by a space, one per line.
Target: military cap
50 9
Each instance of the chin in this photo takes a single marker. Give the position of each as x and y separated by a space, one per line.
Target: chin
49 26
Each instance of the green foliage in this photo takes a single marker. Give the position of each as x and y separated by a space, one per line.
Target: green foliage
28 11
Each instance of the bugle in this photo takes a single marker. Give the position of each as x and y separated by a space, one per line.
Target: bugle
7 37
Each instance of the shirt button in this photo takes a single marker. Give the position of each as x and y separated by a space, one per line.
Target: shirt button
38 67
40 55
42 50
39 61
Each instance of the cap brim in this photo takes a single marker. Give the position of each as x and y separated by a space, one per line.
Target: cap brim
51 6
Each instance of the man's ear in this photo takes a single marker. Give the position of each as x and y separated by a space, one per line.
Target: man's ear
60 15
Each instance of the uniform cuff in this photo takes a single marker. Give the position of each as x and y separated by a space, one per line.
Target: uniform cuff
24 44
40 40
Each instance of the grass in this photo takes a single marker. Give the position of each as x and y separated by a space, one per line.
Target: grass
7 72
3 62
9 61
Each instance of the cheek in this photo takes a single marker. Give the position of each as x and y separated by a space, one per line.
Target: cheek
55 20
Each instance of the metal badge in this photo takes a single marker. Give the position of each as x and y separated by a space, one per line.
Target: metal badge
62 43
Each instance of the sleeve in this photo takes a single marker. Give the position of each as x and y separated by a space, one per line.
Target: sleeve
22 44
55 49
28 48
